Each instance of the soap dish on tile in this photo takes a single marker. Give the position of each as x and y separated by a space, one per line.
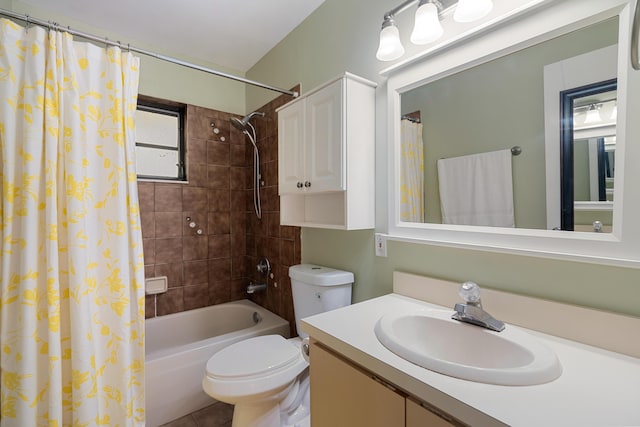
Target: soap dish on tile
156 285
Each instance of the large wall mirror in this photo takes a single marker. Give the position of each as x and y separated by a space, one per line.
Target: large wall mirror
496 141
490 107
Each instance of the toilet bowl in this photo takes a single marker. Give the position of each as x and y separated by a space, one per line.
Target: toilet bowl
264 377
267 377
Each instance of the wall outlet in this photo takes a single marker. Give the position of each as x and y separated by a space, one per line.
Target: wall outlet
381 245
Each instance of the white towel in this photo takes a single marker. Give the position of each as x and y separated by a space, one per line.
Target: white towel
477 189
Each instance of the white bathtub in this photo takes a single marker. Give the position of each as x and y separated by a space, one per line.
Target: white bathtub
179 345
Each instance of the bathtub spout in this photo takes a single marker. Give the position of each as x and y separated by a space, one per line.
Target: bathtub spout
256 287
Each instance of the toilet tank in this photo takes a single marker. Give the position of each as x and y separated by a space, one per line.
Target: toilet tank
317 289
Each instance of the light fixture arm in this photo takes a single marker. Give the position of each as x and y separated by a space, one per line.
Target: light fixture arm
387 21
400 8
407 4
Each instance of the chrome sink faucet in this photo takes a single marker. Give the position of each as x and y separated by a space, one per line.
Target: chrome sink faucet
471 311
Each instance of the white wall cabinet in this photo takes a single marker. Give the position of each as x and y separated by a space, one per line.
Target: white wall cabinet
345 395
326 156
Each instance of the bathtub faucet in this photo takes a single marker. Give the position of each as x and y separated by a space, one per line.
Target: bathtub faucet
256 287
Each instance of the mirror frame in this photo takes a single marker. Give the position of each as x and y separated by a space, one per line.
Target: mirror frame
519 27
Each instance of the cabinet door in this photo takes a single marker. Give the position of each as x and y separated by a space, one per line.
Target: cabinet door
325 139
342 395
291 152
418 416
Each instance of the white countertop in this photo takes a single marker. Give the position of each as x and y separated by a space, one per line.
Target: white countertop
597 387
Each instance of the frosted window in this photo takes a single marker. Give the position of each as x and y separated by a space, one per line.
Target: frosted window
158 129
160 141
157 163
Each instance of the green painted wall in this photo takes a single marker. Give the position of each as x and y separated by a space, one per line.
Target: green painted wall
339 36
591 285
159 78
342 36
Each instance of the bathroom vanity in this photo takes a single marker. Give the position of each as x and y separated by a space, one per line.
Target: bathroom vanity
358 381
345 394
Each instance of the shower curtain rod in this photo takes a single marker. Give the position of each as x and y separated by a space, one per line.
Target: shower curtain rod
55 26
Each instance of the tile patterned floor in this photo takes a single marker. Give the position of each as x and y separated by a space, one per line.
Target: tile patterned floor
217 415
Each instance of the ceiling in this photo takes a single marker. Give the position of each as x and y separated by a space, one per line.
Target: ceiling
229 33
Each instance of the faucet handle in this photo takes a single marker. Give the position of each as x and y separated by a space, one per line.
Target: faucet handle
470 292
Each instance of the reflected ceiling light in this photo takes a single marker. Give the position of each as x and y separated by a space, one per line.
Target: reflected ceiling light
427 27
593 115
390 47
472 10
614 112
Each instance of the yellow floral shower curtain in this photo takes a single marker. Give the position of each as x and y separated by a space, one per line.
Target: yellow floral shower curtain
411 172
71 274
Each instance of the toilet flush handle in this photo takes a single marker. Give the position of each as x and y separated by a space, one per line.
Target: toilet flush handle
304 348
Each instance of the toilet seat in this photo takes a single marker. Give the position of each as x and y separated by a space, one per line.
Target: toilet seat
253 366
253 358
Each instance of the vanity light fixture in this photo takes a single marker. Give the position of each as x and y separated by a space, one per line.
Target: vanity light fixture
427 27
599 112
390 47
593 115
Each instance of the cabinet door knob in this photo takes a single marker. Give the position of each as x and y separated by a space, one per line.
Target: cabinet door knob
299 184
307 184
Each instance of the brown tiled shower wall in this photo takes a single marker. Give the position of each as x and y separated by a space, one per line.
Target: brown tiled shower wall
216 266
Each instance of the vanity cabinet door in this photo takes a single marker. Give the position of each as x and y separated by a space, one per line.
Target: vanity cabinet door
419 416
343 395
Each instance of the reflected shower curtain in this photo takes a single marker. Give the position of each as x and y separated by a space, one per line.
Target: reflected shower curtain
411 172
71 274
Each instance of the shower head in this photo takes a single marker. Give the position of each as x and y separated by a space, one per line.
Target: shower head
250 131
241 124
238 124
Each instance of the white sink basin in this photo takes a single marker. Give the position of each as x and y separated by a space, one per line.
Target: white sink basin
431 339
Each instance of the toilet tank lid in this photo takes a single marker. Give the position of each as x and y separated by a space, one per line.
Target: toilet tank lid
319 275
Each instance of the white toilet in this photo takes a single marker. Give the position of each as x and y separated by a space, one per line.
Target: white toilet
267 377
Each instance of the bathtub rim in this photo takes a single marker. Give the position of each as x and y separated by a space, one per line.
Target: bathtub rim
269 320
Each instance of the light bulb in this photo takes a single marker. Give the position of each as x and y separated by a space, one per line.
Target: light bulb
390 47
472 10
579 117
593 116
427 26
